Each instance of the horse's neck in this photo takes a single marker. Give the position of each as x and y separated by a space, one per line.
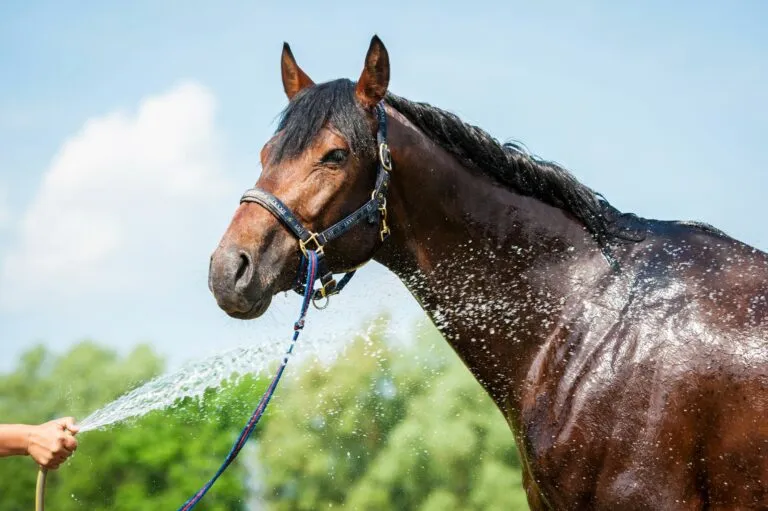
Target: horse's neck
492 268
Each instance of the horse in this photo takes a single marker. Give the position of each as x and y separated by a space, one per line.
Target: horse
628 355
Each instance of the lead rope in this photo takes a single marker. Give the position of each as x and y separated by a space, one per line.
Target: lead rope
311 265
257 413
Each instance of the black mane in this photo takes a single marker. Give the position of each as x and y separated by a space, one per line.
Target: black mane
334 103
511 165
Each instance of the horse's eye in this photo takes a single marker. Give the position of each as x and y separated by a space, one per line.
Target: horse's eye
335 157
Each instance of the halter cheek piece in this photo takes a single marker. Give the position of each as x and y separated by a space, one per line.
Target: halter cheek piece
375 211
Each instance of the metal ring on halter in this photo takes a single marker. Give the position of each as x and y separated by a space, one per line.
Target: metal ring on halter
385 157
317 298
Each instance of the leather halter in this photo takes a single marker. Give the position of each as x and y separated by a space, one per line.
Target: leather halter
375 211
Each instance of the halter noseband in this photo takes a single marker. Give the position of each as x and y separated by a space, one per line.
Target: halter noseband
375 211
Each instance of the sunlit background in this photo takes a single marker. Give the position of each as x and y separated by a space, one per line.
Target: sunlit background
128 132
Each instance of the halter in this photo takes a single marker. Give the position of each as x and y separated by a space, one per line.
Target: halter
375 211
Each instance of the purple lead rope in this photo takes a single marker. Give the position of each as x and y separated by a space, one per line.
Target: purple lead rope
311 261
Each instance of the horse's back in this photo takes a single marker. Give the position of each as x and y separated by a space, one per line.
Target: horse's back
658 388
703 311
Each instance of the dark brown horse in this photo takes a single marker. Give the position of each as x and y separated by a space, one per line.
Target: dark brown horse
629 355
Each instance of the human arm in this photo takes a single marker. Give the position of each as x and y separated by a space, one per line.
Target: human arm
49 444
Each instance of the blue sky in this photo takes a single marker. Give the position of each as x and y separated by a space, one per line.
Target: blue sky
127 134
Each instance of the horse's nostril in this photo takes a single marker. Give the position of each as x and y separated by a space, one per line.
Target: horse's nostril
242 269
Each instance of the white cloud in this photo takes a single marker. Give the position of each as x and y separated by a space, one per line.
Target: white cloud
121 202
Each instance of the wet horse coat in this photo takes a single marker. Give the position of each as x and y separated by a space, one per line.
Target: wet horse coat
629 356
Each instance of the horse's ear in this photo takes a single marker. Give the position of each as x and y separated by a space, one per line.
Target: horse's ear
294 78
374 80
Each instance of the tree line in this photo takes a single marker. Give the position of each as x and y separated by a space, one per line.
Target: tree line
379 428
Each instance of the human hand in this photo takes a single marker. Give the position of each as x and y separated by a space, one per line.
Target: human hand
50 444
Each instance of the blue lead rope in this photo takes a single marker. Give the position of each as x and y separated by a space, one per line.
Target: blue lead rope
311 262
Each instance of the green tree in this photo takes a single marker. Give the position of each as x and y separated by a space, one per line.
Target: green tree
390 429
154 462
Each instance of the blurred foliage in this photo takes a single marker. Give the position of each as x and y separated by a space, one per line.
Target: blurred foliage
386 428
155 462
379 428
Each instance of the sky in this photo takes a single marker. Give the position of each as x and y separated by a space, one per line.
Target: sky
127 134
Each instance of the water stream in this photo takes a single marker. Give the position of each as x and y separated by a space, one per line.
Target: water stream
191 380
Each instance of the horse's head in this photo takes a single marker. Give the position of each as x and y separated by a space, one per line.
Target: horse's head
321 164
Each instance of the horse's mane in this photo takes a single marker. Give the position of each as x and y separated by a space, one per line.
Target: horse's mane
512 165
509 164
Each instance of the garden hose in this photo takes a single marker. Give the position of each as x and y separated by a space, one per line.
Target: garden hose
40 491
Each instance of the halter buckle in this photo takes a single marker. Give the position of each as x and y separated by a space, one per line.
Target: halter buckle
385 157
319 249
327 289
384 233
